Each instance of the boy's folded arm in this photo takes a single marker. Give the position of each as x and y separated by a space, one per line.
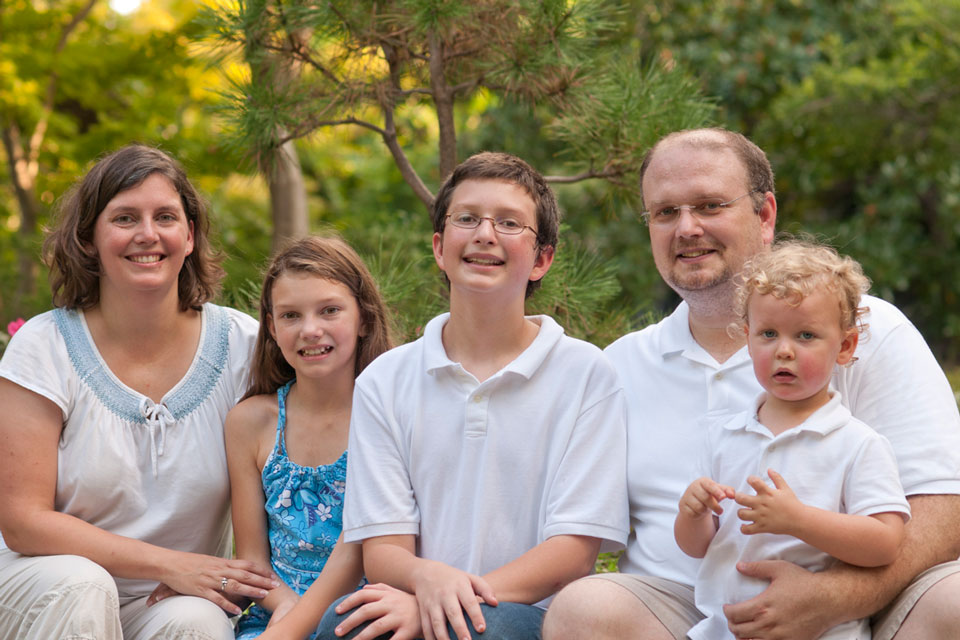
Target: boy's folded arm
444 593
391 560
545 569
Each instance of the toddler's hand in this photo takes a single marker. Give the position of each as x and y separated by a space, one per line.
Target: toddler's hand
703 496
771 510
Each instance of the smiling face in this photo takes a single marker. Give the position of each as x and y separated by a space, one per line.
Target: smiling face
795 347
316 323
695 254
481 260
142 238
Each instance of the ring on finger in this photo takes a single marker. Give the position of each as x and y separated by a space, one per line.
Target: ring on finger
223 584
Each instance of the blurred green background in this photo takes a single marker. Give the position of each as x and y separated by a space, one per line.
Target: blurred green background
857 104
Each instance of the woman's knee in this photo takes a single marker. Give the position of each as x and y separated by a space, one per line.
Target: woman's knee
177 618
56 596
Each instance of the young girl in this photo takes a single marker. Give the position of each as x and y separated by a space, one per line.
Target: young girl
321 322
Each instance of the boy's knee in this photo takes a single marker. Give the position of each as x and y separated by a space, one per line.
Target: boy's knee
509 621
331 619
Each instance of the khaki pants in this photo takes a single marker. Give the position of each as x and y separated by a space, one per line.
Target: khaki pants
673 605
72 598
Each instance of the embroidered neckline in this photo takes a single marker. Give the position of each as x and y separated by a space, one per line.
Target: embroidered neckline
187 395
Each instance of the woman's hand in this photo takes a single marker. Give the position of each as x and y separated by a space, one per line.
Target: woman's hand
221 581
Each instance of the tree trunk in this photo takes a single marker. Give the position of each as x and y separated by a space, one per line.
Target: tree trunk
288 196
23 183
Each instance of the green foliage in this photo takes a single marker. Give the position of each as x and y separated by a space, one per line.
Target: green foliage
117 79
397 69
871 157
857 105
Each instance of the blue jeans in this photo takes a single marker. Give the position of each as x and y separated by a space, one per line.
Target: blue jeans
506 621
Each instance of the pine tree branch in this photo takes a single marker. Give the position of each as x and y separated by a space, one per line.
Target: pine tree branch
299 52
606 173
389 133
409 174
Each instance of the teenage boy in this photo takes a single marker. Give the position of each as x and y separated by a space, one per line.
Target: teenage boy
486 458
711 206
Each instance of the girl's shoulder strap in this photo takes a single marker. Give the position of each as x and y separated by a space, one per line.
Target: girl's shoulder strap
280 446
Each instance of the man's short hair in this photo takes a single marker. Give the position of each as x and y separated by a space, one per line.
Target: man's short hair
759 172
490 165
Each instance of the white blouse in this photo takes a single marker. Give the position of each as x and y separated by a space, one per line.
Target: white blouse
156 472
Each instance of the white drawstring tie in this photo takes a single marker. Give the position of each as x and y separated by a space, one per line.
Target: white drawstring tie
156 415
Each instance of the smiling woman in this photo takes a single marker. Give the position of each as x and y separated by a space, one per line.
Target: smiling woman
115 490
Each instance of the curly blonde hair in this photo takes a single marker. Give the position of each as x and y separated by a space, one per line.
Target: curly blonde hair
793 269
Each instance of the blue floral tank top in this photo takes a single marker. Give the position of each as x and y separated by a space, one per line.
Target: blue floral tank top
304 508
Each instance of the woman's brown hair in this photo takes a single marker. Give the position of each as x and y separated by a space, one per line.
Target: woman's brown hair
68 249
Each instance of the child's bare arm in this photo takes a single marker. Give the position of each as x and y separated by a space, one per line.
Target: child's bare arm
865 541
545 569
695 525
243 430
443 592
341 574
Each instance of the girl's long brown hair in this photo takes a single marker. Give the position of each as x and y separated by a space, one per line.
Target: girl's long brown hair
325 257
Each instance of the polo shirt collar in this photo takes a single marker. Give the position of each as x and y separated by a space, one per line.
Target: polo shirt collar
676 340
526 364
827 418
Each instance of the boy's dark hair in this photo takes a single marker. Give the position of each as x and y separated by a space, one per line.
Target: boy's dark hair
759 172
326 257
490 165
68 249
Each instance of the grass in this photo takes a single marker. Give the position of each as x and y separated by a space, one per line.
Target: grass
953 375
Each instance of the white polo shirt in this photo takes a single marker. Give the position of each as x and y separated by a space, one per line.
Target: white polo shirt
672 384
831 461
483 472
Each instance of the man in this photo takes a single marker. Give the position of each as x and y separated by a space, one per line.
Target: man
711 206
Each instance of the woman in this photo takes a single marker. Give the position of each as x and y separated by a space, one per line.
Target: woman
113 477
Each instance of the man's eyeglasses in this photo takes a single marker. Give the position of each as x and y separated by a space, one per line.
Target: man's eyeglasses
505 225
669 214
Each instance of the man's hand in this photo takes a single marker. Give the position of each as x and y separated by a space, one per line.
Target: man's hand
703 496
443 594
771 510
791 608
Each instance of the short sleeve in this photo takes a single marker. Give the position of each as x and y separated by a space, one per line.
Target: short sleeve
36 359
898 388
243 339
589 494
872 484
379 495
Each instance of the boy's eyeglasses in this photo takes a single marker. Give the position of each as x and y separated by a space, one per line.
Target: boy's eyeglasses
669 214
507 226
